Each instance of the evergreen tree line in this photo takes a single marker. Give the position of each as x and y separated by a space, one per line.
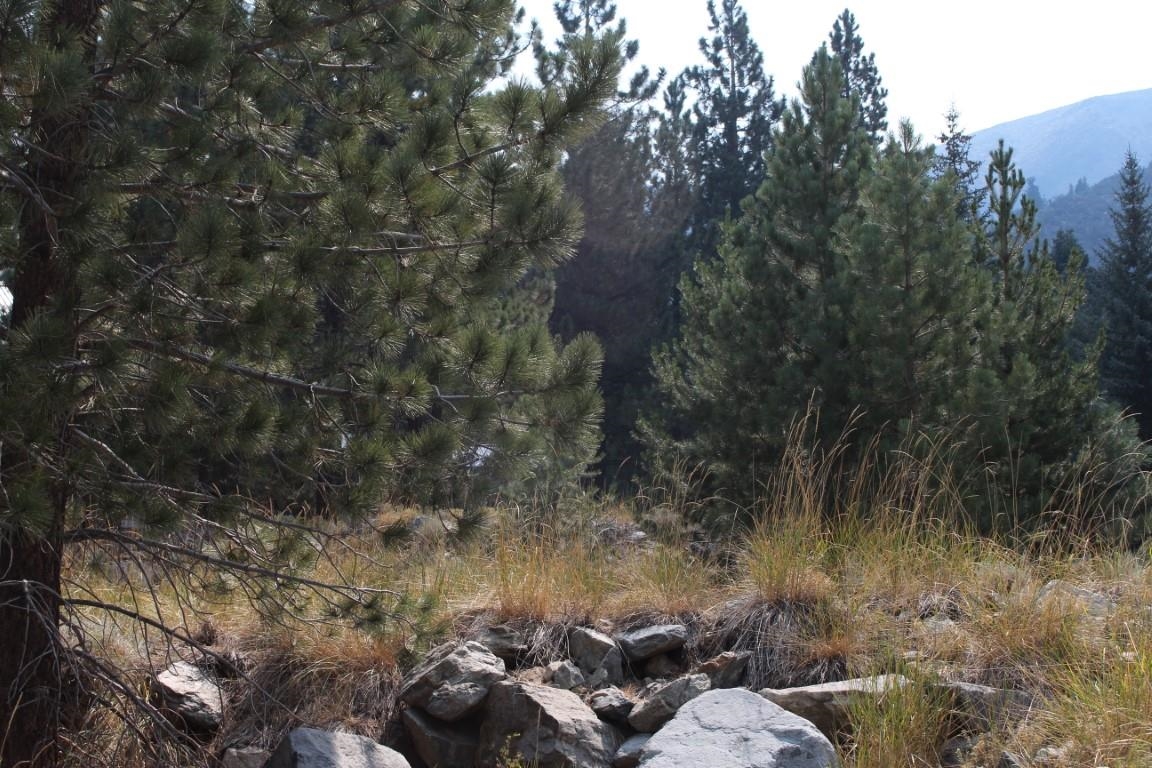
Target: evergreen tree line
749 262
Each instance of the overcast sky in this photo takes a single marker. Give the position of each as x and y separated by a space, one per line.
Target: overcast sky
996 61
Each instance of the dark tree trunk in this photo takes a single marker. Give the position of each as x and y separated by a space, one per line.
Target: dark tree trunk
44 282
29 664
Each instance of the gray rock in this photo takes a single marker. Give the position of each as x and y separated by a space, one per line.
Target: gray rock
190 696
597 655
504 641
658 707
454 681
978 708
546 727
735 728
826 705
566 675
244 757
727 669
612 705
641 644
630 752
440 744
1061 593
310 748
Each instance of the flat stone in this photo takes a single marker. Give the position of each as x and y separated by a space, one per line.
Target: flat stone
735 728
826 705
190 695
644 643
311 748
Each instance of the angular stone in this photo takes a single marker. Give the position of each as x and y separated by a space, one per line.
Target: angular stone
310 748
504 641
727 669
628 756
826 705
658 707
454 681
190 696
546 727
735 728
612 705
244 757
439 743
597 655
644 643
565 675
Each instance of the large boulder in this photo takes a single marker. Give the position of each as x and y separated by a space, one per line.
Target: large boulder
546 727
827 705
735 728
189 696
644 643
310 748
453 682
630 752
440 744
661 702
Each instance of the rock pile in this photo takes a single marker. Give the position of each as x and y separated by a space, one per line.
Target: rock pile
465 706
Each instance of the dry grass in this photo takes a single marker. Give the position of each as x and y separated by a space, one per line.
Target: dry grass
840 576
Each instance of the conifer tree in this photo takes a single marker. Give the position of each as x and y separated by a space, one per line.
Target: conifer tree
1126 289
763 332
954 155
257 251
860 75
732 120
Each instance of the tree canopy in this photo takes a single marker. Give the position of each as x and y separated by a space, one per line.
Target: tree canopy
260 257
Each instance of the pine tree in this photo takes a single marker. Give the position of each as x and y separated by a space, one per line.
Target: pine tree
860 75
732 119
256 251
1126 291
953 156
1038 410
762 332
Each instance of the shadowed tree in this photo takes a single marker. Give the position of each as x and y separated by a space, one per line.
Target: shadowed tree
258 251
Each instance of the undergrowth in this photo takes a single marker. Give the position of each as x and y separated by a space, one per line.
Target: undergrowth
836 576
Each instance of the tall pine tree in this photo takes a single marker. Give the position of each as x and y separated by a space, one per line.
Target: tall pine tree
1126 292
763 332
258 250
860 75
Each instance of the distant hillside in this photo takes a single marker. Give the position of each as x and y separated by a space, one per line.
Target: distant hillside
1085 212
1086 140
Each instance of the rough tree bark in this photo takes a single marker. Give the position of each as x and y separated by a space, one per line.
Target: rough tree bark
44 282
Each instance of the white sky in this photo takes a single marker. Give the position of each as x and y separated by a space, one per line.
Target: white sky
996 61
